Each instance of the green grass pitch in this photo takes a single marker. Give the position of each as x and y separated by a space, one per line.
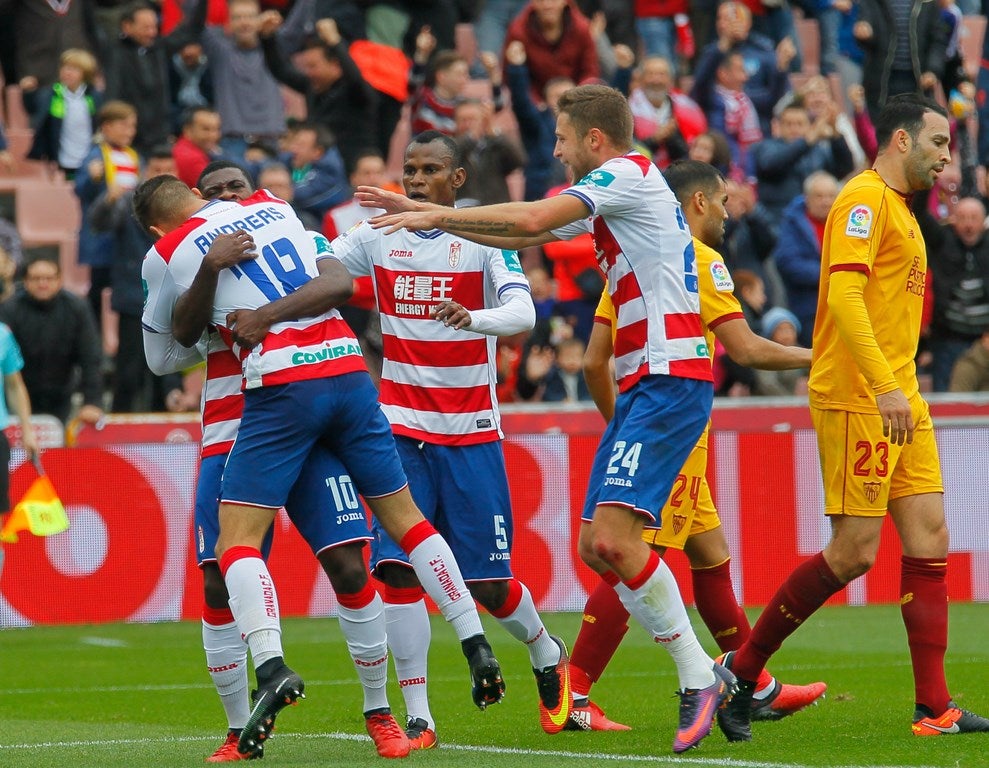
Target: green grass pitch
138 695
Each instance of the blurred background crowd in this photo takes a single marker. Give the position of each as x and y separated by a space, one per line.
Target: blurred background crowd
315 97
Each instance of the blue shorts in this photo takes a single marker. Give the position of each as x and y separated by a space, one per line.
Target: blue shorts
282 424
323 505
463 491
656 425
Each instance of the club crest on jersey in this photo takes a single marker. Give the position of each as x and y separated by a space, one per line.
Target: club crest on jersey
721 277
859 222
454 257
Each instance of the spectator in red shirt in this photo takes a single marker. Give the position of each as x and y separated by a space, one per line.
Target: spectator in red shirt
558 43
199 144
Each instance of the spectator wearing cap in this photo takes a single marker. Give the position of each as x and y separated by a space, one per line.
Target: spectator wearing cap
783 327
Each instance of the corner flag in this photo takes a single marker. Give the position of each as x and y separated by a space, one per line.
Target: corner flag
40 511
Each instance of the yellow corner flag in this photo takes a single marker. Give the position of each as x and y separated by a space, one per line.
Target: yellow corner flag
40 511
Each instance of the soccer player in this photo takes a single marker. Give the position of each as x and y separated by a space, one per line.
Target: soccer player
337 539
662 363
306 384
442 300
874 430
690 519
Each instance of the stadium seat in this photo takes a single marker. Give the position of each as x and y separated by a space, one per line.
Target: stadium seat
14 112
47 213
810 45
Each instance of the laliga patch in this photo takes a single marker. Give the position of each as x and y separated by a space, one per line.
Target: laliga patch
859 222
721 277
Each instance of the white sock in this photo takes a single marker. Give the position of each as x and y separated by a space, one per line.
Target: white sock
408 637
226 660
439 575
364 630
525 625
658 606
254 604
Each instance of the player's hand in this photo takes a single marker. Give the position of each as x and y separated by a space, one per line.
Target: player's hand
415 221
249 326
229 250
451 314
897 417
7 161
29 83
376 197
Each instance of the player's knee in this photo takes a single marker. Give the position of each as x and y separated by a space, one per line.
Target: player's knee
490 594
344 567
850 564
396 576
214 588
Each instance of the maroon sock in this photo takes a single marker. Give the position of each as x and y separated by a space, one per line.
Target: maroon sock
604 625
924 607
718 607
805 590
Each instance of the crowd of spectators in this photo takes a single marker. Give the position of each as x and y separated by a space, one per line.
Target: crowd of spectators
118 92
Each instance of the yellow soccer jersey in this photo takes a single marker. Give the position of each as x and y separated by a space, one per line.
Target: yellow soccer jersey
717 298
870 229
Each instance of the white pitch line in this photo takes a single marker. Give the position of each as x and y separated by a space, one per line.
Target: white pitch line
707 762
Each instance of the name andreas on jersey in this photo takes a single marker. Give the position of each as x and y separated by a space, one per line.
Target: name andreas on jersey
250 223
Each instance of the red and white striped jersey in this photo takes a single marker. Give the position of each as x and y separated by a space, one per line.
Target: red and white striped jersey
223 400
292 351
437 384
644 247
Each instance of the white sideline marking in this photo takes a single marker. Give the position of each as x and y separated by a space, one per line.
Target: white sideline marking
103 642
726 762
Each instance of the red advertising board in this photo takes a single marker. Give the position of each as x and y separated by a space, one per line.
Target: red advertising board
128 554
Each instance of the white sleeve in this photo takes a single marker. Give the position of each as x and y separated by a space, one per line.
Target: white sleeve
516 314
351 248
160 293
165 355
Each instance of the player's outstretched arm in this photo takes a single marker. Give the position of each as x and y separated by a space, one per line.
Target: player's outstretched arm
334 286
747 348
194 309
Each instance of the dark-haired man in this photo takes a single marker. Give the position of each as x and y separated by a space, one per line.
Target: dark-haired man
874 430
443 302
